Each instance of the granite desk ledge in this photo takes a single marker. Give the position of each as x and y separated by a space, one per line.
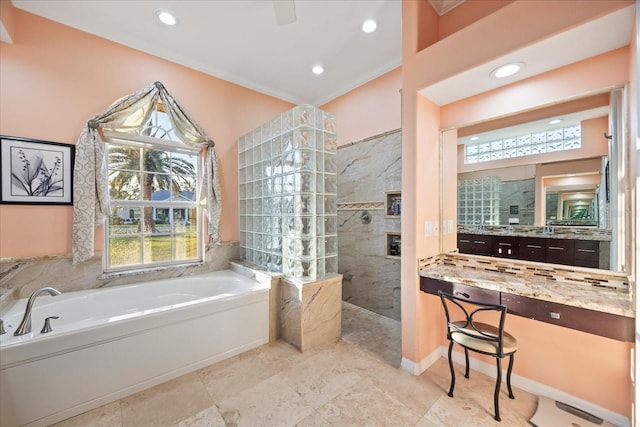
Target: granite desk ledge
607 300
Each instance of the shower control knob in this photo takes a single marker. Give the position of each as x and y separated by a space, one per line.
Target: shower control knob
47 325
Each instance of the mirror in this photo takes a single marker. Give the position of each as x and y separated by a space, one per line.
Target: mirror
525 171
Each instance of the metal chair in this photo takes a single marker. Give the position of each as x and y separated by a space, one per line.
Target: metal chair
479 337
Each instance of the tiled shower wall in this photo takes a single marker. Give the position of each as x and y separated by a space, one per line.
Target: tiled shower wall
367 170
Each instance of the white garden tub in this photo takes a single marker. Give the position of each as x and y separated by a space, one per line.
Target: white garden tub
112 342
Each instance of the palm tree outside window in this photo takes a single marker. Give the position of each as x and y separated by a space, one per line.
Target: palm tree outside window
154 215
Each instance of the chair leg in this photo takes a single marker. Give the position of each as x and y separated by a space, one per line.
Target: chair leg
453 374
496 394
466 359
511 396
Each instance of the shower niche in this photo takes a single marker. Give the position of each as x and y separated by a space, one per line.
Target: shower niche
287 194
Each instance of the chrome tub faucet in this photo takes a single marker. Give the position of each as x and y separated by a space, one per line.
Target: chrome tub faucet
25 325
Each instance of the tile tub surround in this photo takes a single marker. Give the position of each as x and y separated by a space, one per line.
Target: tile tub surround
579 287
19 277
310 312
367 170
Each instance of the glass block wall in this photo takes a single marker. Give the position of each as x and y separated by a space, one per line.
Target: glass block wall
288 187
479 201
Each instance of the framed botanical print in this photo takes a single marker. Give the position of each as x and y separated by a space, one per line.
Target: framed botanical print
35 172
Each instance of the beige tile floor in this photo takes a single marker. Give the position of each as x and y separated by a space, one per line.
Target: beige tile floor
356 382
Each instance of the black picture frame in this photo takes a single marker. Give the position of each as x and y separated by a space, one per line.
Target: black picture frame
35 172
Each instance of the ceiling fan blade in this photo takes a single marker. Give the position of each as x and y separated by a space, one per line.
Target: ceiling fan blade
285 11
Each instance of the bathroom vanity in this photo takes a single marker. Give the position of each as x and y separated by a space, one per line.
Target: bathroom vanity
579 299
559 245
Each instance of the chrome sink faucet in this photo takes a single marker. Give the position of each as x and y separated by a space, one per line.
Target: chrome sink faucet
25 325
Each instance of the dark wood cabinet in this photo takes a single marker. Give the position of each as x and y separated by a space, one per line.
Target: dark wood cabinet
465 243
587 253
594 322
506 247
608 325
581 253
432 286
533 249
559 251
476 244
482 244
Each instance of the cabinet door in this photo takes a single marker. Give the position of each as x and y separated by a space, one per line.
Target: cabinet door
505 247
587 253
559 251
482 245
465 243
533 249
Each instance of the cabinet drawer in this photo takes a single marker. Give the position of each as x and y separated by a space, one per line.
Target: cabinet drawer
465 243
594 322
560 251
533 249
482 245
432 286
587 253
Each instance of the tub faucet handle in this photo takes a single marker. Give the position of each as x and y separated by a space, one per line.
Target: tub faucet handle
2 331
47 325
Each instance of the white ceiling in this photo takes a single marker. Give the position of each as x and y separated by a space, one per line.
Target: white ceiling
239 41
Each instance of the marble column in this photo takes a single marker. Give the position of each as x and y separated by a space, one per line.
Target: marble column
310 313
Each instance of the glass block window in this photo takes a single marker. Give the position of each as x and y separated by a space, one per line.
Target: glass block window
546 141
479 201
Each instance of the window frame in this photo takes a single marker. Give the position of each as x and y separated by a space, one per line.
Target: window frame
111 137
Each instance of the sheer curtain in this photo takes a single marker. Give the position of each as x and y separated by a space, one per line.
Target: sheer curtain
90 181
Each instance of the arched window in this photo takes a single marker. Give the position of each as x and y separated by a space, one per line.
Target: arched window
149 173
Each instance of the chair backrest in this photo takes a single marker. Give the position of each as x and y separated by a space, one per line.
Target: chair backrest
467 326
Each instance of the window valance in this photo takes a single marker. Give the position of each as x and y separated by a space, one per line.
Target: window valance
90 184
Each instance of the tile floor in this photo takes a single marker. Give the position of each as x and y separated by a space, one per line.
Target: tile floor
356 382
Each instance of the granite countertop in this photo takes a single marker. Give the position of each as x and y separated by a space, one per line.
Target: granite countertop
608 300
559 232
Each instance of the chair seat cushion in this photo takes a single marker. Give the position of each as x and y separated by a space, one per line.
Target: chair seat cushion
509 345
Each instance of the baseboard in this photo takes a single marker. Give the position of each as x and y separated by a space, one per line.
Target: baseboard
526 384
416 368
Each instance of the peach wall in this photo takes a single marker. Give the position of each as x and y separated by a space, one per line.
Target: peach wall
551 354
420 160
53 78
368 110
449 198
468 13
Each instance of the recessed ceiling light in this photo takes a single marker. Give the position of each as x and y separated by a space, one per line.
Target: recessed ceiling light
317 69
166 18
369 26
554 121
507 70
474 138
